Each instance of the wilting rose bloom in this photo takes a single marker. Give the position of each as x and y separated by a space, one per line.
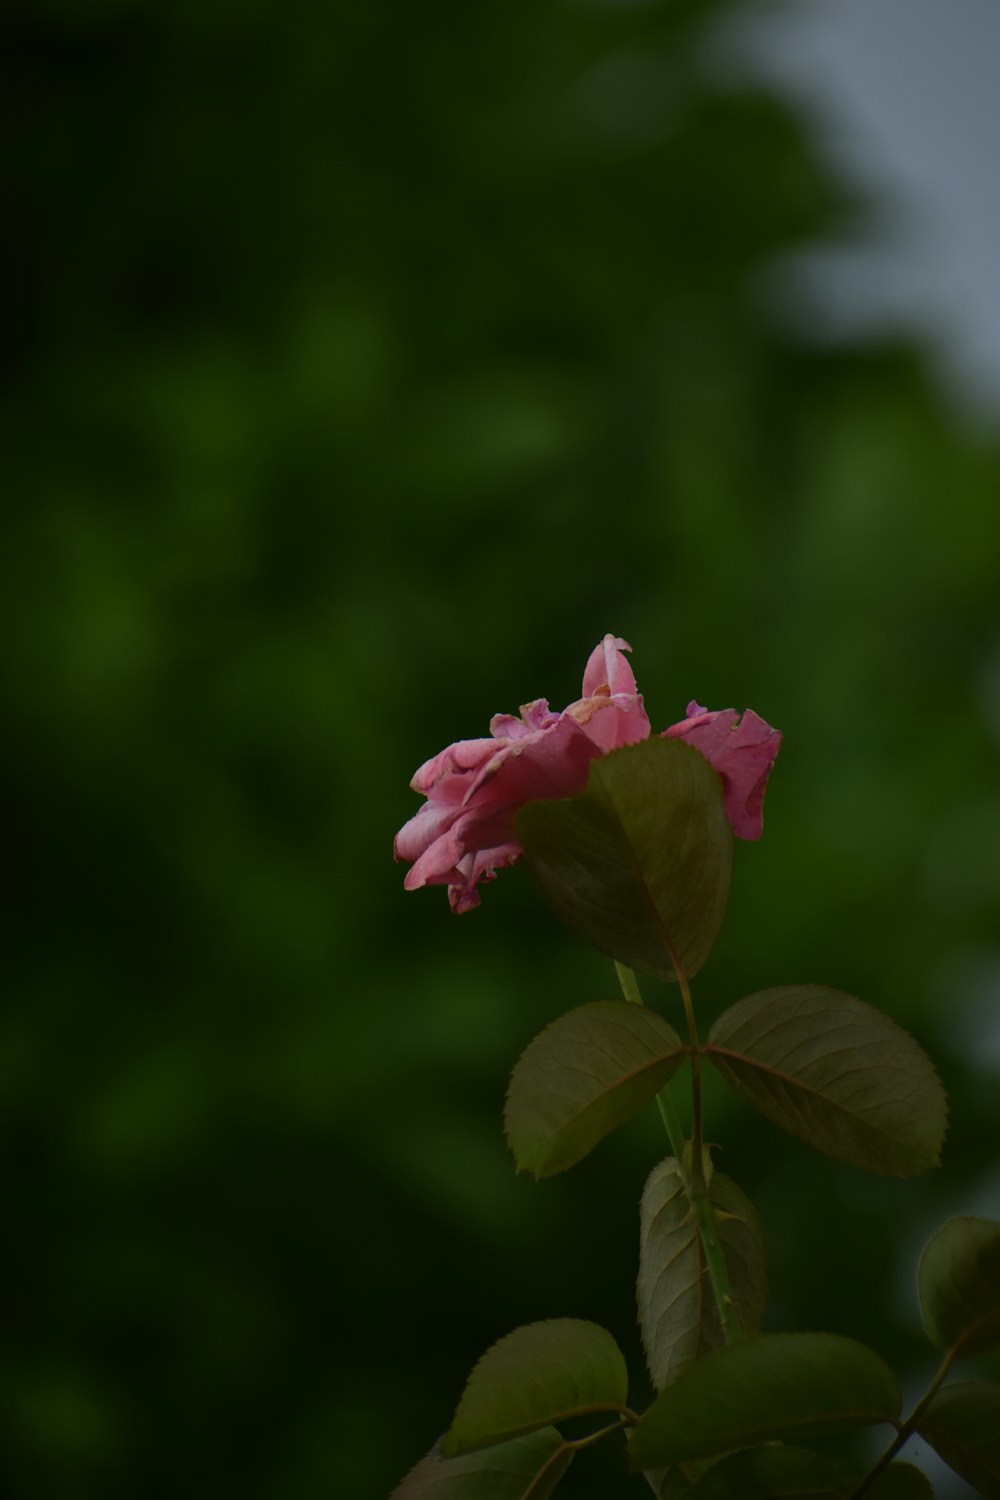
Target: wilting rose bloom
464 832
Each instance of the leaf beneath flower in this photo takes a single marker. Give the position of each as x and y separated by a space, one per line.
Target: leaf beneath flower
639 865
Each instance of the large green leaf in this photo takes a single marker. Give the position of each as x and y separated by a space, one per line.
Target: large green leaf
639 865
526 1468
783 1385
835 1072
901 1482
535 1377
769 1473
959 1281
583 1076
677 1312
962 1424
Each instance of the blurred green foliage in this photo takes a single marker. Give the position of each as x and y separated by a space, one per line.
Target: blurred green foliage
365 364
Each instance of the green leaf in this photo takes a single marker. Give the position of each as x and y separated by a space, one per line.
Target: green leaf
901 1482
582 1077
835 1072
962 1424
526 1468
638 865
535 1377
782 1385
767 1473
959 1282
677 1312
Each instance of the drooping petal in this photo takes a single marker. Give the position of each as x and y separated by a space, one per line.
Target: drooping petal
440 860
742 750
479 840
483 865
423 829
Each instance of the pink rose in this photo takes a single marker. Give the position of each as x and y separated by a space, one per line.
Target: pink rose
464 832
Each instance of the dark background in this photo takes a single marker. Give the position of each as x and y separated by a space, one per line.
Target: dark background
364 365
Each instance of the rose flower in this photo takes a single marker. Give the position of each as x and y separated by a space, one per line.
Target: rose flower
464 832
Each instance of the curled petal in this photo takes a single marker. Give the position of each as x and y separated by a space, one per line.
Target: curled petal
462 757
534 716
607 671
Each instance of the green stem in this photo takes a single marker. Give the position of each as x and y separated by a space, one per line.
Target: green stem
693 1176
906 1429
697 1191
629 983
715 1260
664 1103
672 1124
628 1418
698 1183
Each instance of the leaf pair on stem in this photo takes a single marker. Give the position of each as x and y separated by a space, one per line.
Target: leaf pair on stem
829 1069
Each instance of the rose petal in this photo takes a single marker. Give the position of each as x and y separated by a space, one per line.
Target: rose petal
742 750
607 671
463 756
610 723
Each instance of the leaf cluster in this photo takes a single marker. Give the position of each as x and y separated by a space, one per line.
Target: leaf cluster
639 866
736 1423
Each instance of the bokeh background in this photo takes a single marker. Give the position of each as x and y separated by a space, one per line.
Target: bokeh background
364 365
